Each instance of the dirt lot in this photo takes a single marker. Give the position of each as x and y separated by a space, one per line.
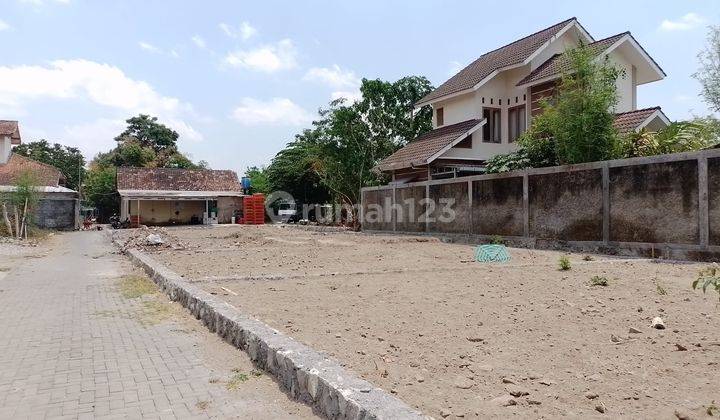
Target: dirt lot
457 338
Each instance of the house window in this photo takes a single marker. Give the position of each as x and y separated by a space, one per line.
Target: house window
516 122
491 129
465 143
440 116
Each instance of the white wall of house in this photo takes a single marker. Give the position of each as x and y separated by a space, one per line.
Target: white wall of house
626 85
5 149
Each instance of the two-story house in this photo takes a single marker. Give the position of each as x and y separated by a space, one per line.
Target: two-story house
480 112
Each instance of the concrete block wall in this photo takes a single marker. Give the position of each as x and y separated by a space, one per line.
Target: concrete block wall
57 213
661 206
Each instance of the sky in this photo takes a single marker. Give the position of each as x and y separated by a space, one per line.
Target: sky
237 80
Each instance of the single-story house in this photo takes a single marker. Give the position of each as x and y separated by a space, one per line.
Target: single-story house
165 196
58 207
482 110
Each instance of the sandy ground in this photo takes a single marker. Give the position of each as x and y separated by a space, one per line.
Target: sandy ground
457 338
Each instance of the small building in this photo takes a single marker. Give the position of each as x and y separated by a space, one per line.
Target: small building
482 110
166 196
58 207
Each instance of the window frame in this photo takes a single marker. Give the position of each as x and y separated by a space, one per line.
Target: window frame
490 126
440 116
517 110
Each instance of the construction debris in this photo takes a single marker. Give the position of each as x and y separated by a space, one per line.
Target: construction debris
149 238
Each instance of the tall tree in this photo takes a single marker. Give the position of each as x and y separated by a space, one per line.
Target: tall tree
709 73
258 180
68 160
337 155
148 132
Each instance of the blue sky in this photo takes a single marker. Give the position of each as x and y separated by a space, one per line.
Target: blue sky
238 79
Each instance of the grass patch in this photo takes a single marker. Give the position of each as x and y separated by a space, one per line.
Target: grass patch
588 258
202 405
154 312
564 263
239 377
497 240
599 281
132 287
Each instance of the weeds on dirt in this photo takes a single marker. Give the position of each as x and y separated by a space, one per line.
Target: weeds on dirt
588 258
132 287
202 405
660 289
708 277
599 281
239 377
564 263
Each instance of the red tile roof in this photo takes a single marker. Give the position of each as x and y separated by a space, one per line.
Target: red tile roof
45 175
167 179
511 54
627 122
418 151
560 63
11 129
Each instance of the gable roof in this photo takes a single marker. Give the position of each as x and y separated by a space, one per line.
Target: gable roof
427 146
628 122
169 179
560 63
45 175
10 129
511 54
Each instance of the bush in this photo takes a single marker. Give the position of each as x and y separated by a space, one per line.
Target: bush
599 281
564 263
708 277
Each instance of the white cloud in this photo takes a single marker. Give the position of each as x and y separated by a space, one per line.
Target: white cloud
267 58
93 137
199 41
334 77
99 83
277 111
687 22
4 26
148 47
351 96
245 31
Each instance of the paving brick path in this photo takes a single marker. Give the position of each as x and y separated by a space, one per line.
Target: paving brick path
72 347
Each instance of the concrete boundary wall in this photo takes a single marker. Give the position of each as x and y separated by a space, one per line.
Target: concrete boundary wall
665 206
306 374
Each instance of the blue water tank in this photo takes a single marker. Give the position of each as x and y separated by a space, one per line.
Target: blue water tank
246 183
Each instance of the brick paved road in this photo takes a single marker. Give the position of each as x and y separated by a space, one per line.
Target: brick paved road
72 346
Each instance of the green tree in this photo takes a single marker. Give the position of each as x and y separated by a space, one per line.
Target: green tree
259 182
709 72
581 116
293 169
681 136
148 132
100 189
68 160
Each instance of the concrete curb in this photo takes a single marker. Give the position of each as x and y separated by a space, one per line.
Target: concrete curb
306 374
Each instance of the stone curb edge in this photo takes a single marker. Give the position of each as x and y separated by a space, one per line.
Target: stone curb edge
306 374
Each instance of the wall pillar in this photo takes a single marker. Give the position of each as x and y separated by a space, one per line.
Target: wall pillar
606 203
703 212
526 205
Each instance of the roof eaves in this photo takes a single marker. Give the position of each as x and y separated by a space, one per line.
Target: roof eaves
457 140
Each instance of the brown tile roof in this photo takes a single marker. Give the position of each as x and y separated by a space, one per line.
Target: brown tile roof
627 122
418 151
10 128
513 53
560 63
46 175
167 179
